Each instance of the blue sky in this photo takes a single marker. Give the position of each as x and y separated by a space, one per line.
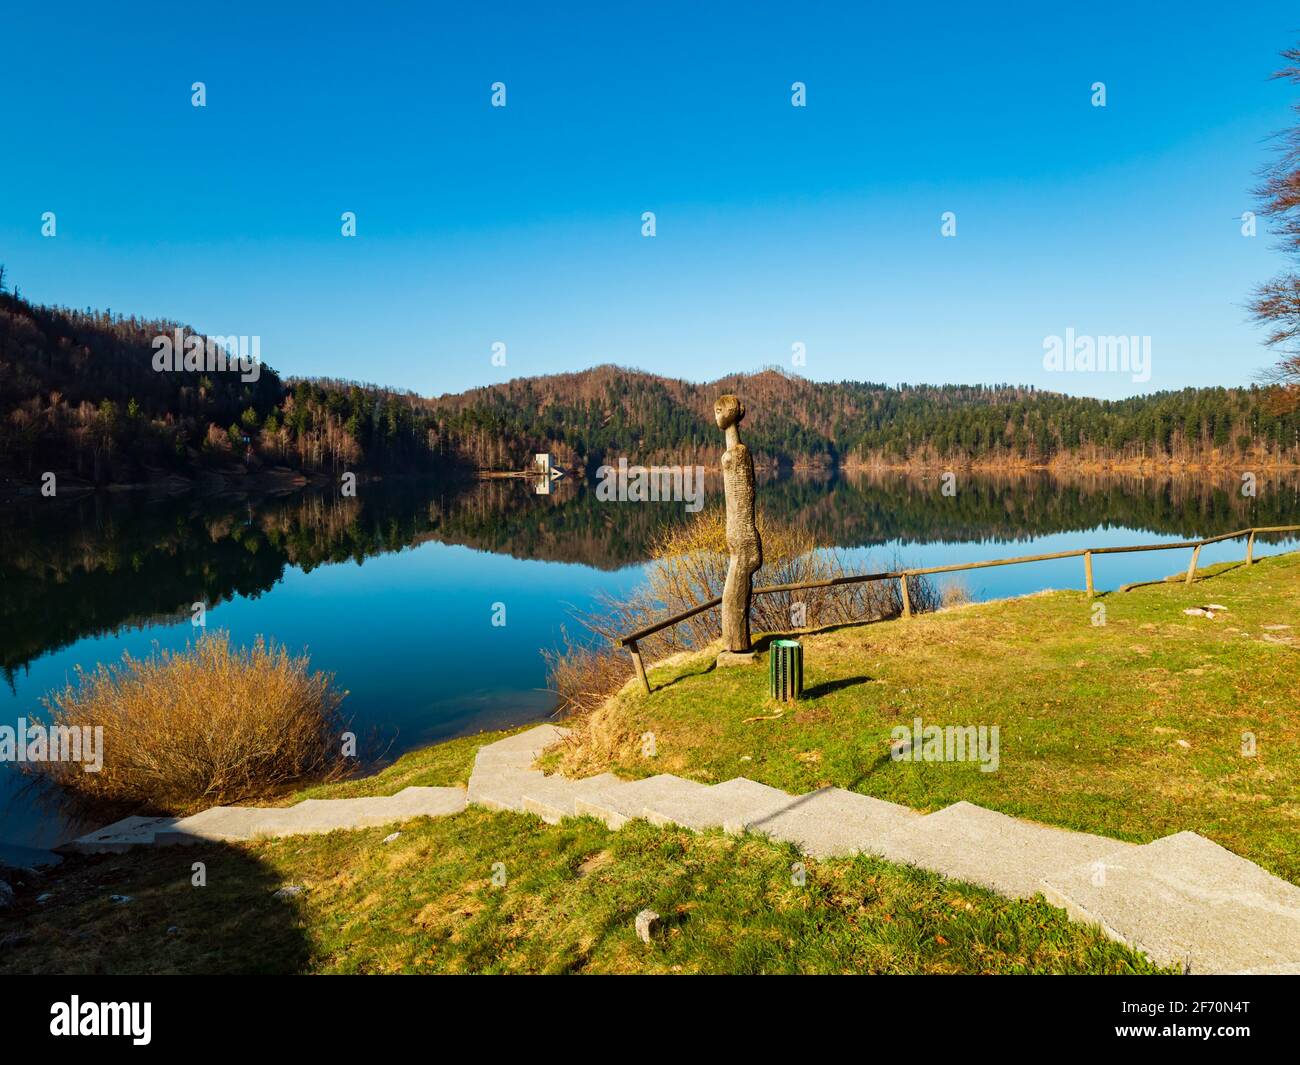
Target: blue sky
775 224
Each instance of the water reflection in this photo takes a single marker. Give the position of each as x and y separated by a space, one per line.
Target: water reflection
69 570
393 591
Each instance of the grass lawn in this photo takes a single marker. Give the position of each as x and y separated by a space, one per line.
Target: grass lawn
440 766
426 903
1132 729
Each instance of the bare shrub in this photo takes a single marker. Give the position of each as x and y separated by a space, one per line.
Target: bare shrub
955 593
688 567
206 726
584 673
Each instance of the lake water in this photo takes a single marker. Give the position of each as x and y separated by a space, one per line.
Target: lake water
395 591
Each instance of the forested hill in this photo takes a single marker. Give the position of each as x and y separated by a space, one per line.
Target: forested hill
80 395
595 415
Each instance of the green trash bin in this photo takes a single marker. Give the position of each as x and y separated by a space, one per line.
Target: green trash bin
785 663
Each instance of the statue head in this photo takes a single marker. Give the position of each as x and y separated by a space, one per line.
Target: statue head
728 411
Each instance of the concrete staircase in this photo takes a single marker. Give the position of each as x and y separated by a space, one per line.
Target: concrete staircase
225 823
1001 853
1182 899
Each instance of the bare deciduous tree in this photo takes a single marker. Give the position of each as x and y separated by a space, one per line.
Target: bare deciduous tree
1276 303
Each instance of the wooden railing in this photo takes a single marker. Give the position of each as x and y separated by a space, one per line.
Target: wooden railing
631 640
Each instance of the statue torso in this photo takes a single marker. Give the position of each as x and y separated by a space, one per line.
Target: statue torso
738 484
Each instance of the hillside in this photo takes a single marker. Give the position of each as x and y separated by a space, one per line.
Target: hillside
81 395
1133 729
595 415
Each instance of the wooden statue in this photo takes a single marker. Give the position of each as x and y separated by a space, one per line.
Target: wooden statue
743 544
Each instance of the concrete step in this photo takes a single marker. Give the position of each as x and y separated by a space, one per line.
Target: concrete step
1184 900
488 759
833 822
120 836
729 806
320 816
553 798
502 788
533 742
407 795
519 751
420 801
412 801
218 823
538 738
328 815
618 805
1011 857
501 771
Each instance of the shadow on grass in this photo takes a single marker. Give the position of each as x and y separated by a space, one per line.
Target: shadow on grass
828 686
797 801
763 642
707 667
1174 579
1219 572
231 923
879 763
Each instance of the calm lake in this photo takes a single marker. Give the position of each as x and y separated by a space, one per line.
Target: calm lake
394 591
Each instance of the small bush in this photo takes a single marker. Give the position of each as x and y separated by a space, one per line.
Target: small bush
584 673
206 726
955 593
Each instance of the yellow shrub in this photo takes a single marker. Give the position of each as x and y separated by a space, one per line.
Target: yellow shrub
201 727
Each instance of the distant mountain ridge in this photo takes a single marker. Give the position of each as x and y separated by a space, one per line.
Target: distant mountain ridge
80 395
593 416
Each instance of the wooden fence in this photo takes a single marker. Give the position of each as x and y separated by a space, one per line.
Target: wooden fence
630 640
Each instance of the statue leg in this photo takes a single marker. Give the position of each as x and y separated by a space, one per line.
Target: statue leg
733 610
736 595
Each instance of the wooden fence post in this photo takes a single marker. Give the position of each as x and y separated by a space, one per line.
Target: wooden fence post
1250 548
1087 572
1191 568
640 666
907 599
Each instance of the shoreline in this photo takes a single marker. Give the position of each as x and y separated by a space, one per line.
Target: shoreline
274 480
1139 466
286 479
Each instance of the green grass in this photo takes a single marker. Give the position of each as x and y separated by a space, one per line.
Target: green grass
1132 729
1091 720
427 903
440 766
